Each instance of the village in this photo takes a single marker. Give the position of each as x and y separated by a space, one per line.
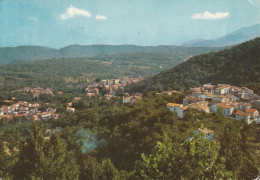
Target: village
235 102
31 110
27 110
113 86
36 91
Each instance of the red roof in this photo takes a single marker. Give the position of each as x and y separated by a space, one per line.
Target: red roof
250 110
241 113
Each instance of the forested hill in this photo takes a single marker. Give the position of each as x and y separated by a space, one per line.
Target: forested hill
239 65
11 55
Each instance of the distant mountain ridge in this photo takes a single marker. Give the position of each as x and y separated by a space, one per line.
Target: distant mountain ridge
236 37
239 65
11 55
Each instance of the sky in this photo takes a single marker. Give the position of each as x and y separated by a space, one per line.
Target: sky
56 23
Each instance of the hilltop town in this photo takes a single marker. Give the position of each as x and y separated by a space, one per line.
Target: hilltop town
235 102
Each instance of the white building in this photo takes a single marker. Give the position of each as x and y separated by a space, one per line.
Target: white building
69 109
227 109
252 112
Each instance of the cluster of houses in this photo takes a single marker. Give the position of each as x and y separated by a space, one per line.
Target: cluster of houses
112 85
133 98
36 91
235 102
25 109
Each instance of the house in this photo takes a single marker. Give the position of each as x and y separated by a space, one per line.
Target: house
222 89
51 110
243 106
209 88
35 118
252 112
90 94
174 107
196 89
180 111
241 115
231 97
35 105
247 91
201 106
45 116
127 99
235 105
55 116
227 109
211 96
77 98
109 96
68 109
202 97
23 108
69 104
96 91
207 133
5 109
7 116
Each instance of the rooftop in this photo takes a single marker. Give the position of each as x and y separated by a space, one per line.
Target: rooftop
206 131
251 110
174 104
241 113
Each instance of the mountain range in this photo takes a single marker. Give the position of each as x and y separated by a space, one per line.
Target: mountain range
11 55
236 37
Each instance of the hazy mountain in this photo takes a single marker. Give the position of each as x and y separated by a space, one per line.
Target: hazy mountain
239 65
10 55
236 37
26 53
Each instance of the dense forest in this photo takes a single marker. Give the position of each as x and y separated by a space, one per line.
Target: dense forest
239 66
11 55
106 139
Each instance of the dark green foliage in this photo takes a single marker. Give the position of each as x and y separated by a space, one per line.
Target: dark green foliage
45 159
143 140
238 66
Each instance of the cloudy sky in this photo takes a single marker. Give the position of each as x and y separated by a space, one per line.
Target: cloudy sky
56 23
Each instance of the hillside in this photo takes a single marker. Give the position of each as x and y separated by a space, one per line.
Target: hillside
11 55
236 37
239 65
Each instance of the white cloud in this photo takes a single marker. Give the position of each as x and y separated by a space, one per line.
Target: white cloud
208 15
73 11
101 17
33 19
